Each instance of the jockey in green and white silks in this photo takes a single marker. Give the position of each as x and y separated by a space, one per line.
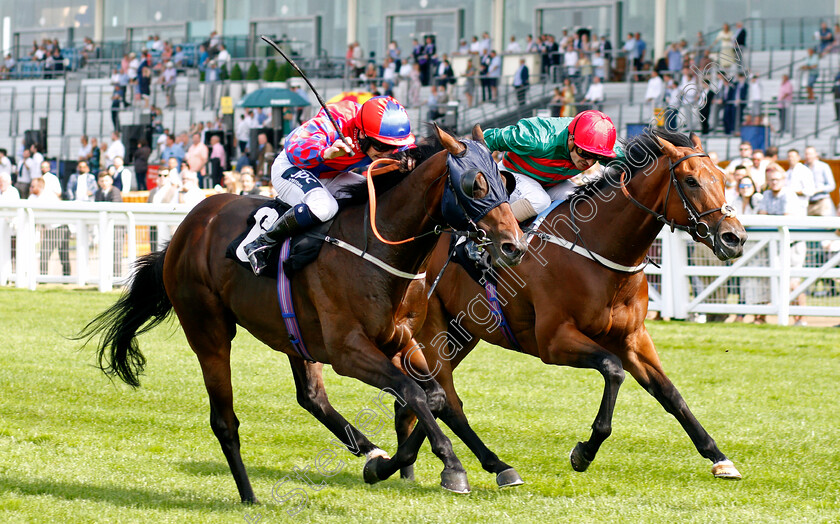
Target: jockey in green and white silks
544 153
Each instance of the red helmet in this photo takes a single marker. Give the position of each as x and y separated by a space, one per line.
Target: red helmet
593 131
385 120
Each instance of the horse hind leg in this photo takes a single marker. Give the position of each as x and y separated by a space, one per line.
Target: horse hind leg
647 370
211 343
404 420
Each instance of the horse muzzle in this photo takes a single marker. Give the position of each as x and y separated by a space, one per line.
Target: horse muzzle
729 239
508 251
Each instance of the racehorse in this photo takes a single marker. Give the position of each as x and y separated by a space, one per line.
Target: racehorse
347 308
586 311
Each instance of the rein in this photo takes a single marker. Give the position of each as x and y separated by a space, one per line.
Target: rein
693 228
393 165
694 216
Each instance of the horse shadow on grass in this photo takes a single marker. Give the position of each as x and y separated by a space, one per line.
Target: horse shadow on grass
115 495
348 478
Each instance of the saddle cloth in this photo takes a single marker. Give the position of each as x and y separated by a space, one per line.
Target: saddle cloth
304 246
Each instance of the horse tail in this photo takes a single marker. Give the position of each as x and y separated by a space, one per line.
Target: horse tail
142 306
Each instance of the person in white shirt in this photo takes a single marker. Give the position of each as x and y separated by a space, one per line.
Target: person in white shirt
655 88
122 176
819 203
759 167
85 149
570 60
82 185
223 58
172 167
595 93
599 65
513 46
5 163
8 192
27 170
37 157
190 193
484 44
243 131
531 45
161 142
115 149
475 46
51 182
800 179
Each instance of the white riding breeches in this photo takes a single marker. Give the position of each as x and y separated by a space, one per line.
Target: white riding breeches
536 194
298 186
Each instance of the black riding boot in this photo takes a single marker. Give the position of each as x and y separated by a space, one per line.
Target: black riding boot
259 250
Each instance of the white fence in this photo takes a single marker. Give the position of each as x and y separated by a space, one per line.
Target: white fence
786 259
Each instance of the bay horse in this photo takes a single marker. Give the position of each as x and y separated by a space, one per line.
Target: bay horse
347 308
570 310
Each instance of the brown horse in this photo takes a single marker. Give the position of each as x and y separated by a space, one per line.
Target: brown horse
569 310
347 308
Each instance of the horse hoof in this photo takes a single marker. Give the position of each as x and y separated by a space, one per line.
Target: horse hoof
579 462
725 470
509 478
369 472
407 473
455 481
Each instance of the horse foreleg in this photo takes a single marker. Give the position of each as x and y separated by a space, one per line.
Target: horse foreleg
312 396
646 368
359 358
570 347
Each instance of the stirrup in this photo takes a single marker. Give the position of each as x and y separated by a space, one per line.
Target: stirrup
258 254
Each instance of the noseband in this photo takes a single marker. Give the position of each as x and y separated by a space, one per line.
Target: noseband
694 216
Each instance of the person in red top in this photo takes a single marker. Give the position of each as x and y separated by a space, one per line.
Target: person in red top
316 164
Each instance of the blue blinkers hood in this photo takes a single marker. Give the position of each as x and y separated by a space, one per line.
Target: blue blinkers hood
460 210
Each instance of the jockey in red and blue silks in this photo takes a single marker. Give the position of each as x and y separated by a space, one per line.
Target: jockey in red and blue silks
315 164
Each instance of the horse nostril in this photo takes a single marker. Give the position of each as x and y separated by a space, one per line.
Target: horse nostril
731 239
511 250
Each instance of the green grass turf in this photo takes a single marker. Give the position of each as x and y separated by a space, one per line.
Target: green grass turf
75 448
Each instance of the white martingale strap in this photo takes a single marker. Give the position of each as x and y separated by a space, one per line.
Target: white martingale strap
586 253
373 260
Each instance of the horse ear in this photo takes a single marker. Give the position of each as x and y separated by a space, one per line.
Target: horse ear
449 142
669 149
478 134
696 141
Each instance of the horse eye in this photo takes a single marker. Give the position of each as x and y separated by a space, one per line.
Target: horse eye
692 182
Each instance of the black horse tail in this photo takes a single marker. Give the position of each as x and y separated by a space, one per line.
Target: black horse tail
142 306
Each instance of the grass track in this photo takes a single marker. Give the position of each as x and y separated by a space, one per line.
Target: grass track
74 448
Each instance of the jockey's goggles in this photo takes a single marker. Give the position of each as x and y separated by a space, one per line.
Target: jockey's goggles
586 155
380 146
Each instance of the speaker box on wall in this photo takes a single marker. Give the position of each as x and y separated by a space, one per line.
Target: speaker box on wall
131 135
35 136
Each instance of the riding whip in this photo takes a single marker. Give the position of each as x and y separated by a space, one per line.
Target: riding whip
303 75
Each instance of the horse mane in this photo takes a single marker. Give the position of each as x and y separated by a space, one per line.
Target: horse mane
637 147
358 193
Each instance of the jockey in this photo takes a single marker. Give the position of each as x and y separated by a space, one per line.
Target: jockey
543 153
315 164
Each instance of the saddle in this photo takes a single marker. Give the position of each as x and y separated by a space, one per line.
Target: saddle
305 246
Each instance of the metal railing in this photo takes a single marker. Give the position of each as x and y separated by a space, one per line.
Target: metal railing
95 244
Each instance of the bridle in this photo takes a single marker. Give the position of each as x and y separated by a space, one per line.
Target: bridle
476 233
694 216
